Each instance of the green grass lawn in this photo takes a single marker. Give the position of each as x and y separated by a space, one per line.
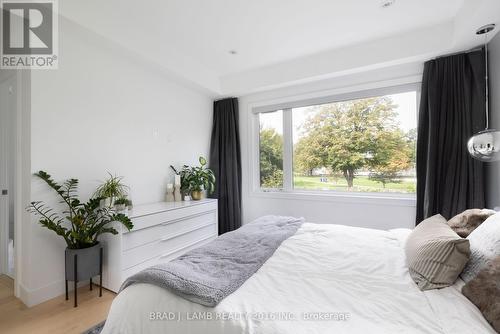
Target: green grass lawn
361 184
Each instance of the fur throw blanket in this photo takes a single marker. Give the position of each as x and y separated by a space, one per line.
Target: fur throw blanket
484 292
466 222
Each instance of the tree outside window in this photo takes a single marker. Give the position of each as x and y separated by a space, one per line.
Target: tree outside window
363 145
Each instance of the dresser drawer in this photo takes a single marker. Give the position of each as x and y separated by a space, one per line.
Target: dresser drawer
166 246
168 229
165 257
156 218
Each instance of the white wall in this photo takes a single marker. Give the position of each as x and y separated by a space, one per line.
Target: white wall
373 213
104 110
493 168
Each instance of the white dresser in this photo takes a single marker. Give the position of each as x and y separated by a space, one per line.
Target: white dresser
162 232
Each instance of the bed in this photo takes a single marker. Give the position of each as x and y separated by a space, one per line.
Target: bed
323 279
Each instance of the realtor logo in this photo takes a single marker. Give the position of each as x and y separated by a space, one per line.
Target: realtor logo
29 34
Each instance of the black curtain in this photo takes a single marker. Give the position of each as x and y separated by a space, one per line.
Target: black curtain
225 161
452 108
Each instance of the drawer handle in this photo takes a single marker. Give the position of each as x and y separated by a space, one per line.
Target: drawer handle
184 247
185 232
187 217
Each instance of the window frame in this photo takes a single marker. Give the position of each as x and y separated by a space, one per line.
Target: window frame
287 104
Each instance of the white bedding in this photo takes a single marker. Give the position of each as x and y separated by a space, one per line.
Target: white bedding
354 279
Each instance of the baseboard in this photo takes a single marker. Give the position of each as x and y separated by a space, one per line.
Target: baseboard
23 294
36 296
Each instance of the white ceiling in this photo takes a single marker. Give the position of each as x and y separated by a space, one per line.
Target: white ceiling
263 32
266 32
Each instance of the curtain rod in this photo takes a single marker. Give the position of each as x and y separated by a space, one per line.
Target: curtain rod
459 52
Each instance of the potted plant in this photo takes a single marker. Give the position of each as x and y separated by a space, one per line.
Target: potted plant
121 204
199 178
111 189
80 225
183 173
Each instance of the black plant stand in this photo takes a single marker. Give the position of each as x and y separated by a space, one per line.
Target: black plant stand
76 277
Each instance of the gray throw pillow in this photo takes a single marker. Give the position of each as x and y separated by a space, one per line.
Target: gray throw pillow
484 292
435 254
466 222
484 246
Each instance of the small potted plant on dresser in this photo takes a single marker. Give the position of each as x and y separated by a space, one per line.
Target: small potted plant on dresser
200 178
111 190
121 204
183 172
80 225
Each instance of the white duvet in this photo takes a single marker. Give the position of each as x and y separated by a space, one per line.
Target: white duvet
324 279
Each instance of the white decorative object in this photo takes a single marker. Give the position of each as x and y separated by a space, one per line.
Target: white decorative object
170 193
177 180
162 231
177 193
106 202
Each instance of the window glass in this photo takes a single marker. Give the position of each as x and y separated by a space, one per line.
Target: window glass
271 149
363 145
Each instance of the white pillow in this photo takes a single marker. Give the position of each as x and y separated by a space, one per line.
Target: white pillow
484 247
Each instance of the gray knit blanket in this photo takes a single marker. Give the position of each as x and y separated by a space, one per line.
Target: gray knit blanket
208 274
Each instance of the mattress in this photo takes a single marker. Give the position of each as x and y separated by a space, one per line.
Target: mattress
323 279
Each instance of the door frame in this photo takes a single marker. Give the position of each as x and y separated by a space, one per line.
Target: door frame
22 170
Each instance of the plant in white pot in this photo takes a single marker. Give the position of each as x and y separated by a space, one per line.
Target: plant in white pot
121 204
111 190
80 224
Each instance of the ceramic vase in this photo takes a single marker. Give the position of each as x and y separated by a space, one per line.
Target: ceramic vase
170 193
196 195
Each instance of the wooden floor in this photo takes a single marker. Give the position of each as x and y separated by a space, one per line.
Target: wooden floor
54 316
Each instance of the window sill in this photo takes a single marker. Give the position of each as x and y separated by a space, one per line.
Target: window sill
407 200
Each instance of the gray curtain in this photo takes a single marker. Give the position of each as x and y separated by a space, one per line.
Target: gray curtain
452 108
225 161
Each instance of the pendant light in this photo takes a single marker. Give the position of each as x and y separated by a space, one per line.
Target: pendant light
485 145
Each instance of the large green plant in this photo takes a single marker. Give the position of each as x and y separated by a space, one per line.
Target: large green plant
82 223
197 178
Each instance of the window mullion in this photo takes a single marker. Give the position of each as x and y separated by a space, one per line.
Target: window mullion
287 150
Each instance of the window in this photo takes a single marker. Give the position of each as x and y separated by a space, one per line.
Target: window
362 143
